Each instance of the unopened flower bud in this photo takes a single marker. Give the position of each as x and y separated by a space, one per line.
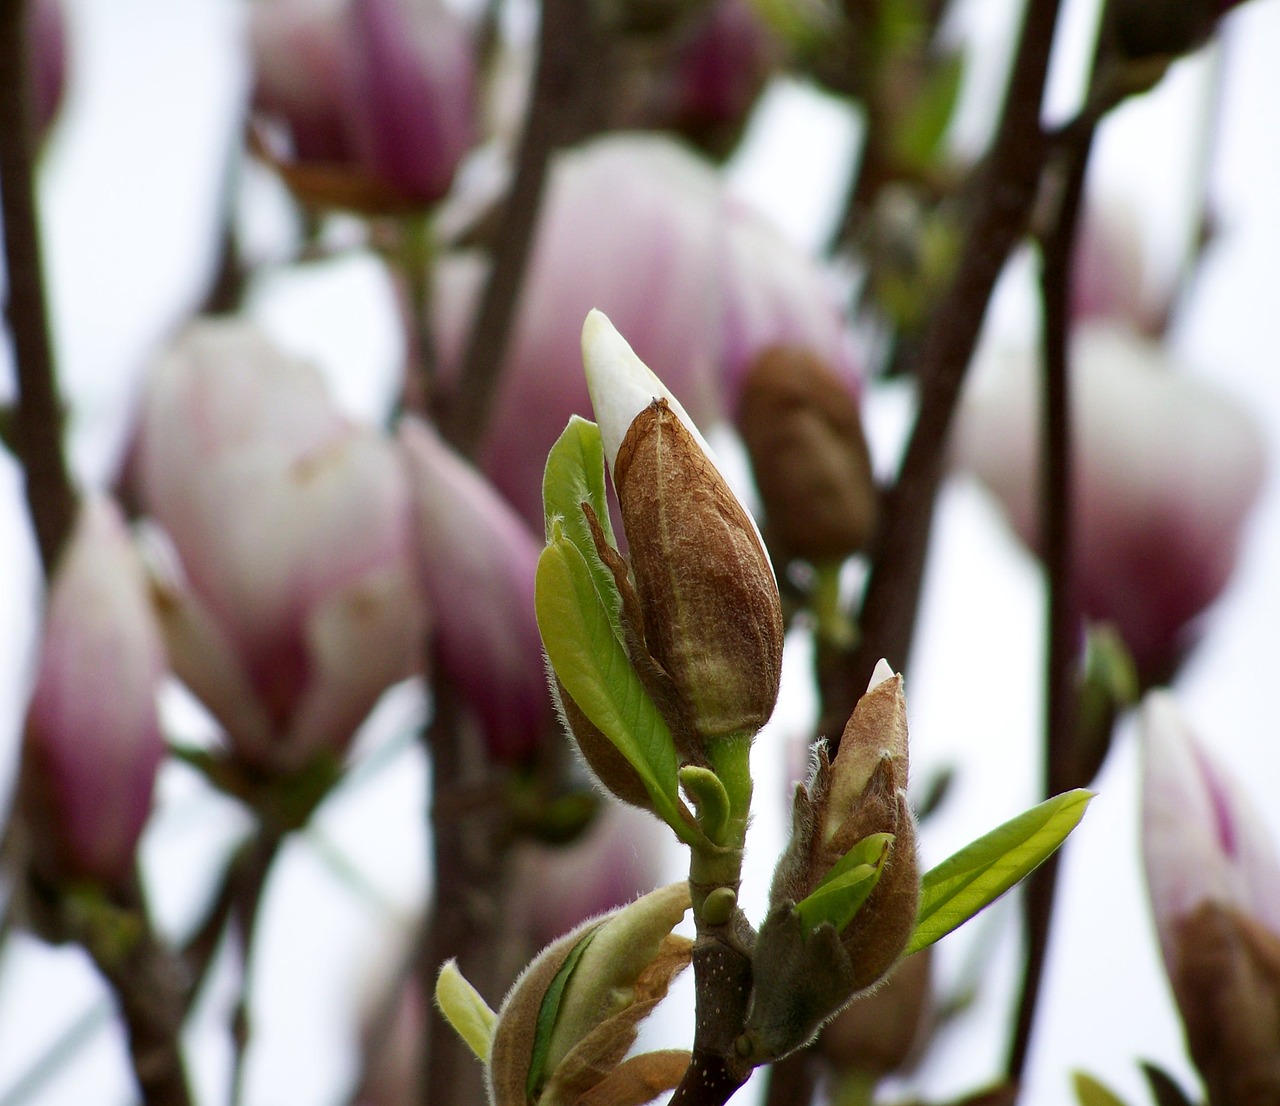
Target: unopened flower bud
92 740
812 466
610 973
475 562
879 1031
863 792
1227 984
806 972
712 617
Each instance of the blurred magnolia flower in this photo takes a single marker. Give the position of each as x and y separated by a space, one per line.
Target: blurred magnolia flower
556 888
47 33
476 562
92 736
641 228
1214 878
1166 471
376 98
1202 839
1108 274
706 77
393 1031
292 525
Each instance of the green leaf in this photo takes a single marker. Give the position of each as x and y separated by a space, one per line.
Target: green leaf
547 1014
596 672
985 869
465 1010
923 124
849 883
707 791
1090 1092
575 475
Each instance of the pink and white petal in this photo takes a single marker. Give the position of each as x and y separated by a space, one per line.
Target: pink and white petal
92 727
360 641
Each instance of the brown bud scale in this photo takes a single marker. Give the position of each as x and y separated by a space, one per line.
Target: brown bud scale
712 616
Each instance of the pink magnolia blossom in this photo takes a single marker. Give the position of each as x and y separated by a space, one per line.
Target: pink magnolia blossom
643 229
292 526
92 739
300 75
555 888
1108 274
1167 470
48 37
377 97
476 561
1202 839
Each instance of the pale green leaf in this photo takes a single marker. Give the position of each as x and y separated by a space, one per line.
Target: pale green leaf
1090 1092
708 793
465 1010
985 869
548 1011
594 669
848 885
575 475
924 122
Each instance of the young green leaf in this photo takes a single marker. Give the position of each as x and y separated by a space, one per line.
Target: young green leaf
985 869
575 475
592 665
1090 1092
707 791
849 883
465 1010
547 1013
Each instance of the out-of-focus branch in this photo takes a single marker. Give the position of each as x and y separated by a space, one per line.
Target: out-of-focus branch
1062 611
566 106
151 988
37 418
468 826
1003 194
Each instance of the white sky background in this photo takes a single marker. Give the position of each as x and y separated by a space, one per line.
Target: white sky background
130 187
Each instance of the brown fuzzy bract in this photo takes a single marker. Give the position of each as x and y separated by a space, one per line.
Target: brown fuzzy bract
801 427
712 617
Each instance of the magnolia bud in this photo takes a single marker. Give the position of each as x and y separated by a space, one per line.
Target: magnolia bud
862 792
1227 983
709 600
712 617
92 736
802 429
804 973
879 1031
572 1016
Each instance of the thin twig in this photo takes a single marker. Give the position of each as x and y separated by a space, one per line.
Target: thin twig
471 880
1005 190
37 419
151 987
565 107
1061 765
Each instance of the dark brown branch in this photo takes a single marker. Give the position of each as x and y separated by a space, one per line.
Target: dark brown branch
1004 193
151 988
1063 626
565 105
37 418
468 834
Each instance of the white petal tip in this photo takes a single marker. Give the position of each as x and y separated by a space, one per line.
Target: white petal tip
883 671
